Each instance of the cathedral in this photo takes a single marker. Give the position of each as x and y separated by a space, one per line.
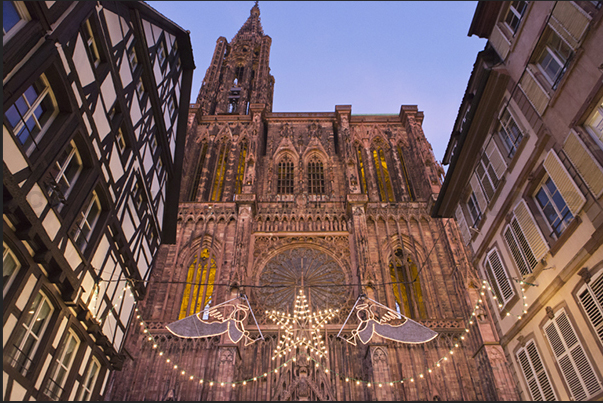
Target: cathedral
313 215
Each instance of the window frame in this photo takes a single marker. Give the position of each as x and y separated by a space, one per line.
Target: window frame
476 216
133 57
26 327
553 51
285 176
59 364
401 264
162 49
518 16
486 175
120 139
63 167
140 90
316 176
510 144
200 286
87 387
555 232
25 17
89 35
588 127
82 218
7 283
45 96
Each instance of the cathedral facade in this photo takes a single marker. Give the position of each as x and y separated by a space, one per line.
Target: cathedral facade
293 213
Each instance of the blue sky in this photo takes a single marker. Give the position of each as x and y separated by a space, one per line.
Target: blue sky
375 55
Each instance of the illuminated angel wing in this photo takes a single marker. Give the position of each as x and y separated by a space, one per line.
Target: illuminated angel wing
192 327
408 332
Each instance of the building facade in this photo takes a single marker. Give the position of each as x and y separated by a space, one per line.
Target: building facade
525 184
327 206
95 97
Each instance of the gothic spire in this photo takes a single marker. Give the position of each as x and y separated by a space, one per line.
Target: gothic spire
252 25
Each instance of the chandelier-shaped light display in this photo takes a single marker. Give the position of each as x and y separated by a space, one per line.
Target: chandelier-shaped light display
302 329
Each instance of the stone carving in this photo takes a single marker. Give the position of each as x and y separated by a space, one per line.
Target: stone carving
286 130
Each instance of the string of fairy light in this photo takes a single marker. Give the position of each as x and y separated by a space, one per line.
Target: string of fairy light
287 344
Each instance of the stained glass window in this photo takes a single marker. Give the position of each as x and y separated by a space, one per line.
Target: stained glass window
199 287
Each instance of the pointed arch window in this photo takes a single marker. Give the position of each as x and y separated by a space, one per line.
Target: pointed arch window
386 192
316 176
220 171
285 176
241 168
361 172
409 188
198 172
199 287
406 286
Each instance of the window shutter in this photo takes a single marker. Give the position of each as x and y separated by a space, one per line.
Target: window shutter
570 21
479 194
503 283
530 230
522 265
591 298
586 165
537 95
535 374
575 365
460 219
565 184
500 42
496 159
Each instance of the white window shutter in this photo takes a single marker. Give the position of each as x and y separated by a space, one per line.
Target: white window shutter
463 227
530 230
575 365
496 159
572 195
524 267
591 299
535 374
479 194
586 164
501 277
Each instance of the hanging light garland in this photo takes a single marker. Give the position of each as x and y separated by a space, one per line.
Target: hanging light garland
288 344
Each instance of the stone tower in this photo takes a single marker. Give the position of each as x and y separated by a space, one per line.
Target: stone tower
327 205
239 74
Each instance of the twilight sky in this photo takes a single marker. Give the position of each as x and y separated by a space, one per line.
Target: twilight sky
374 55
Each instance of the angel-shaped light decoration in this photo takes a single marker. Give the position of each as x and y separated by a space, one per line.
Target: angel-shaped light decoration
195 326
370 324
